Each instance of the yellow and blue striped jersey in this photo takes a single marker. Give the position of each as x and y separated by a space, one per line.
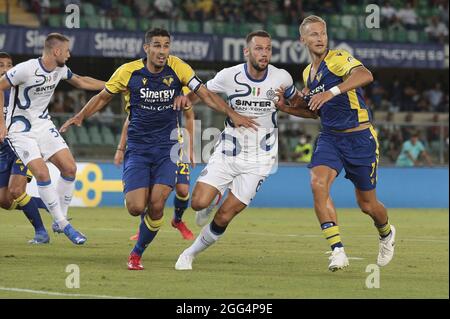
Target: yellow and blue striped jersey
345 110
149 99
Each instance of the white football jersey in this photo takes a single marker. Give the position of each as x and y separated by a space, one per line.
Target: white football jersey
253 98
31 91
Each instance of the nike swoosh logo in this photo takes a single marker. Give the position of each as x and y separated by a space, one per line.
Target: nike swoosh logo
237 91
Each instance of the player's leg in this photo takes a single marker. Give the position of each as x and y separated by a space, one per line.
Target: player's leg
209 189
243 189
17 188
325 166
362 171
180 203
65 186
162 176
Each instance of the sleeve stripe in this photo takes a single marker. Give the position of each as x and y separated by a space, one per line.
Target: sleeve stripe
290 92
7 77
69 74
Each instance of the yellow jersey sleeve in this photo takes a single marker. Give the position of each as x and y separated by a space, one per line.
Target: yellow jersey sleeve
341 62
119 80
186 90
306 75
184 72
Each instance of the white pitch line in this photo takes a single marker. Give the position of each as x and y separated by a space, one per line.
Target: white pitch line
60 294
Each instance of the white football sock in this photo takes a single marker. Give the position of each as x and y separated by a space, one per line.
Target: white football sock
205 239
65 190
48 194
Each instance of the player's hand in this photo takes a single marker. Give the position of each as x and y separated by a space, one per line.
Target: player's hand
318 100
3 133
118 157
76 120
280 101
181 102
243 121
192 159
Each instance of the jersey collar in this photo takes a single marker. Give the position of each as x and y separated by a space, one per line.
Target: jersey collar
254 80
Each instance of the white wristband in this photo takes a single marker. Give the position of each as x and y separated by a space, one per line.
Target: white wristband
335 90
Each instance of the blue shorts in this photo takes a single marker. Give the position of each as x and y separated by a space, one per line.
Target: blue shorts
145 169
356 152
10 164
183 173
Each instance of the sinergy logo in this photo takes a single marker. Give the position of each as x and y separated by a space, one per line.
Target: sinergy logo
118 46
36 40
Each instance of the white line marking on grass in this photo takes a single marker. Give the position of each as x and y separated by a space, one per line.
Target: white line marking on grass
62 294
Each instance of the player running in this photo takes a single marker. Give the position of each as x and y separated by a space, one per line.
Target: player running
181 199
150 164
30 131
14 176
348 140
242 159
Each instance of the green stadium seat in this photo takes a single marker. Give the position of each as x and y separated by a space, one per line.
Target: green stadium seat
132 24
3 18
125 11
88 10
55 21
364 34
413 36
377 34
83 136
208 27
335 20
145 24
281 30
161 23
193 27
293 31
70 137
93 23
349 21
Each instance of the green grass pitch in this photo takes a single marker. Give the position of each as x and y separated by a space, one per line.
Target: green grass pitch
265 253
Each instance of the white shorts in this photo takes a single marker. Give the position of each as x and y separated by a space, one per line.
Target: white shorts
43 141
238 176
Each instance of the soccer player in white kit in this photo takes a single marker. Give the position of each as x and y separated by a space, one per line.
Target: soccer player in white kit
32 134
242 159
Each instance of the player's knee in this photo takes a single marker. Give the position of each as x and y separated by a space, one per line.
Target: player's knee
5 203
42 175
222 218
157 209
318 184
16 191
199 203
69 170
135 209
365 206
182 193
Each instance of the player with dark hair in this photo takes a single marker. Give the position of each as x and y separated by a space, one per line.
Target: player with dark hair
151 86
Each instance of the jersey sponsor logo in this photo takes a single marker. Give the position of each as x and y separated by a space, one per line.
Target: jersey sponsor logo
319 89
253 103
162 95
45 88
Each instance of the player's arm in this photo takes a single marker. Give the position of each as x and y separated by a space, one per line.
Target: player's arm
95 104
189 116
359 76
295 106
217 103
86 83
427 157
120 151
4 85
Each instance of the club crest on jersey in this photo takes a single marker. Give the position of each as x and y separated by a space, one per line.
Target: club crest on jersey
168 80
144 81
271 94
318 76
256 91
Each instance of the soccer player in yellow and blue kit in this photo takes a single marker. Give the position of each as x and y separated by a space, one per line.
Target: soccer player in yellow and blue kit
347 140
152 86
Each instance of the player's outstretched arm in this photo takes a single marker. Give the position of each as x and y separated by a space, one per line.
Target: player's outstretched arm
358 77
217 103
4 85
95 104
120 152
296 105
86 83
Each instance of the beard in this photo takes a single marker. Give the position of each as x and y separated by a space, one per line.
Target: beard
60 64
257 67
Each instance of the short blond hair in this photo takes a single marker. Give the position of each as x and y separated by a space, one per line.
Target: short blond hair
308 20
